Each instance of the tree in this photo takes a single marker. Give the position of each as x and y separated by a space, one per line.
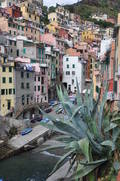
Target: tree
52 9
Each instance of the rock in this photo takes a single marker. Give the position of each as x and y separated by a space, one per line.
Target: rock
40 141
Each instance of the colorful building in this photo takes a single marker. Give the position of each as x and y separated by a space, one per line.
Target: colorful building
7 86
88 36
14 11
73 69
31 11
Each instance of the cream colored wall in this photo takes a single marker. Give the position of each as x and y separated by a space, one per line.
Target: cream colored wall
3 24
51 17
7 86
26 14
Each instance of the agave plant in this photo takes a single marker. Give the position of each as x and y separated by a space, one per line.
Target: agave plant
90 136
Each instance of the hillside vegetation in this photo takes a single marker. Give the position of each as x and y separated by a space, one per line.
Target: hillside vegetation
86 8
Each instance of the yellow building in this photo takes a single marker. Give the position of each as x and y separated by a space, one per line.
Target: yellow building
96 81
30 12
88 35
7 86
52 27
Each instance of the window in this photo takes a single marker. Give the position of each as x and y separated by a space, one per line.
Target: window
38 88
22 74
27 85
26 29
96 66
42 89
39 79
10 42
115 86
22 28
73 72
13 91
6 92
22 85
81 51
73 66
5 59
8 104
67 59
72 81
67 66
10 91
97 89
17 53
35 88
27 99
15 43
3 80
3 69
35 79
28 75
10 69
10 79
11 50
2 91
68 73
23 99
37 98
42 80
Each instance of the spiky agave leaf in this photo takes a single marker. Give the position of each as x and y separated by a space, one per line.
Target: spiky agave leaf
100 117
83 170
78 95
86 132
62 161
68 130
67 105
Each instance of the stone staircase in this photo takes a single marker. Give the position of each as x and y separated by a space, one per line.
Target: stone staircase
5 151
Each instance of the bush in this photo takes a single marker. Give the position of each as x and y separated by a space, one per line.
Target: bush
12 132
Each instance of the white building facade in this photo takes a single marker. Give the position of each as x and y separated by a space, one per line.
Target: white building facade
73 69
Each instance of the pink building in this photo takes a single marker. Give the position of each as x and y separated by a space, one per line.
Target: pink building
40 83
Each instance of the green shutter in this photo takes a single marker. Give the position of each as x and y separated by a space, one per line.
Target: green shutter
97 89
24 50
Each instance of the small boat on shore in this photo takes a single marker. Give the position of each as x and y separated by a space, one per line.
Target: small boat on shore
26 131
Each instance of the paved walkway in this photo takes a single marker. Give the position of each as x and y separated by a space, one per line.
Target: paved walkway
19 141
61 173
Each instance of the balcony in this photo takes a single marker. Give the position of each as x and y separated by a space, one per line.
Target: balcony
110 96
43 65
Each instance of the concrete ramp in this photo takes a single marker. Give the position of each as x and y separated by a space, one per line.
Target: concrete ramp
60 174
20 141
